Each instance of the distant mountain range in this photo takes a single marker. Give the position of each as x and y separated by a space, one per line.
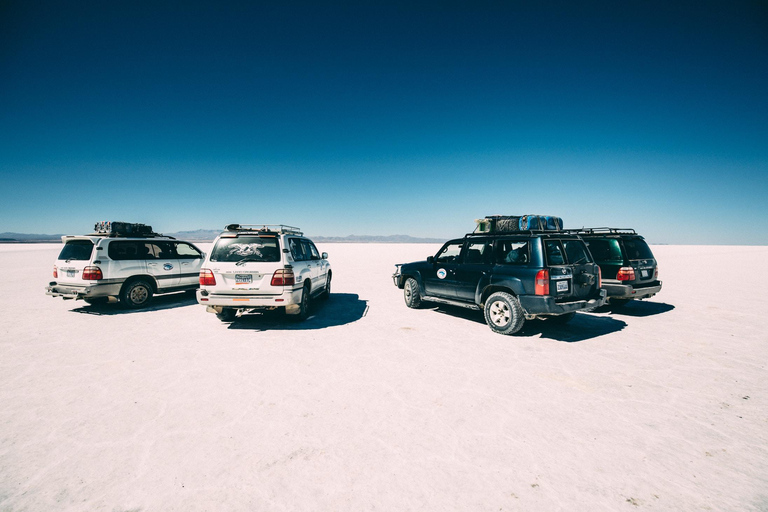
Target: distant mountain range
207 235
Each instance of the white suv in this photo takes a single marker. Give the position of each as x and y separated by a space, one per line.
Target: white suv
263 267
124 261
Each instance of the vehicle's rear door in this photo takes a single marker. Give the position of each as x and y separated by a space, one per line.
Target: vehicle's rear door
245 264
72 260
641 259
162 262
573 275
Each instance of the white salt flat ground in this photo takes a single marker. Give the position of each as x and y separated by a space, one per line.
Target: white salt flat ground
372 406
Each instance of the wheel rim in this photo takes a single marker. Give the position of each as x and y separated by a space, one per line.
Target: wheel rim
139 294
500 313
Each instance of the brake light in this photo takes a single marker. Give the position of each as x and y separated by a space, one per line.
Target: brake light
55 271
542 282
283 277
207 278
626 274
656 273
92 274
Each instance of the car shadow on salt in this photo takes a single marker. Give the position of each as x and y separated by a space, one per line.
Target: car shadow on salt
583 326
338 309
159 302
639 308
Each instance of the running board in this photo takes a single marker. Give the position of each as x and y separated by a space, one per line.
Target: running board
450 302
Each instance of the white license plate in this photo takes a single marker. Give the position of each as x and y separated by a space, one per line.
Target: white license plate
562 286
644 273
243 278
70 273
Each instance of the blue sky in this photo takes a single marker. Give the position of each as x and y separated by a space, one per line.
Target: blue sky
386 118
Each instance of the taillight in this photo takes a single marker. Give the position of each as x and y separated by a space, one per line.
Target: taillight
656 273
207 278
542 282
626 274
55 271
283 277
92 274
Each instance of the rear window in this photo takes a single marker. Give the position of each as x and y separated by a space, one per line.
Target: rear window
252 248
576 252
606 251
78 250
637 249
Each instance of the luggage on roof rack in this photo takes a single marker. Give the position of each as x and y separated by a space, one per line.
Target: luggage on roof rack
513 223
276 228
119 228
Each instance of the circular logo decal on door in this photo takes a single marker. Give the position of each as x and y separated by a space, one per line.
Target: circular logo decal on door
442 273
167 266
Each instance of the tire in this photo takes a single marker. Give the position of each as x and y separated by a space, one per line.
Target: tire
618 303
327 291
136 294
562 319
503 313
411 293
303 305
227 314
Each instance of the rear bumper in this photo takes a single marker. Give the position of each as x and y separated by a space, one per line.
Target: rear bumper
287 298
627 291
535 305
69 291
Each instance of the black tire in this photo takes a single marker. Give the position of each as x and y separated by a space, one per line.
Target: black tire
562 319
227 315
136 294
503 313
303 305
618 303
327 290
411 293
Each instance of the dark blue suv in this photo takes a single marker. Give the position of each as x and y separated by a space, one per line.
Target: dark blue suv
512 277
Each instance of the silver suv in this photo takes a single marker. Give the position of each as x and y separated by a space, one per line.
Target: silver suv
263 267
126 262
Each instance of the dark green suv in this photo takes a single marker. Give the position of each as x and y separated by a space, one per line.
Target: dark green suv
629 269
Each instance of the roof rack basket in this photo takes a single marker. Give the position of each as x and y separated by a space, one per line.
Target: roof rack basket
274 228
602 231
115 229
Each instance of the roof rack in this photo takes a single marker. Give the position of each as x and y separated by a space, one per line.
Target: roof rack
602 231
516 233
273 228
119 229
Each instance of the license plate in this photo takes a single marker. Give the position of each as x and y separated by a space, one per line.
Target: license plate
562 286
70 273
644 273
243 278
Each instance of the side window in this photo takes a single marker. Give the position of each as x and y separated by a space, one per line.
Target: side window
606 251
477 252
512 252
449 253
297 249
555 255
576 252
124 250
158 250
310 250
186 251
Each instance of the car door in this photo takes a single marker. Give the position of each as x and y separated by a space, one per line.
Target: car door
190 259
162 262
314 265
439 278
475 263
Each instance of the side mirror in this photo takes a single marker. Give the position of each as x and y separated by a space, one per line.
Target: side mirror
430 259
325 255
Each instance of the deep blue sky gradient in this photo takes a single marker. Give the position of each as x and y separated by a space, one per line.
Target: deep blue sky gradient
386 118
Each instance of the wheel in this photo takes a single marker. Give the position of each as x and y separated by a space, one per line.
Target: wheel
327 291
618 303
562 319
227 314
411 293
503 313
136 294
303 305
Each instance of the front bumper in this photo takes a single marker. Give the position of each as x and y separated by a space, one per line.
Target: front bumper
536 305
289 297
93 291
627 291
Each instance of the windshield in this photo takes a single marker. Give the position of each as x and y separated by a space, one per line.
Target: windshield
79 250
637 249
248 248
